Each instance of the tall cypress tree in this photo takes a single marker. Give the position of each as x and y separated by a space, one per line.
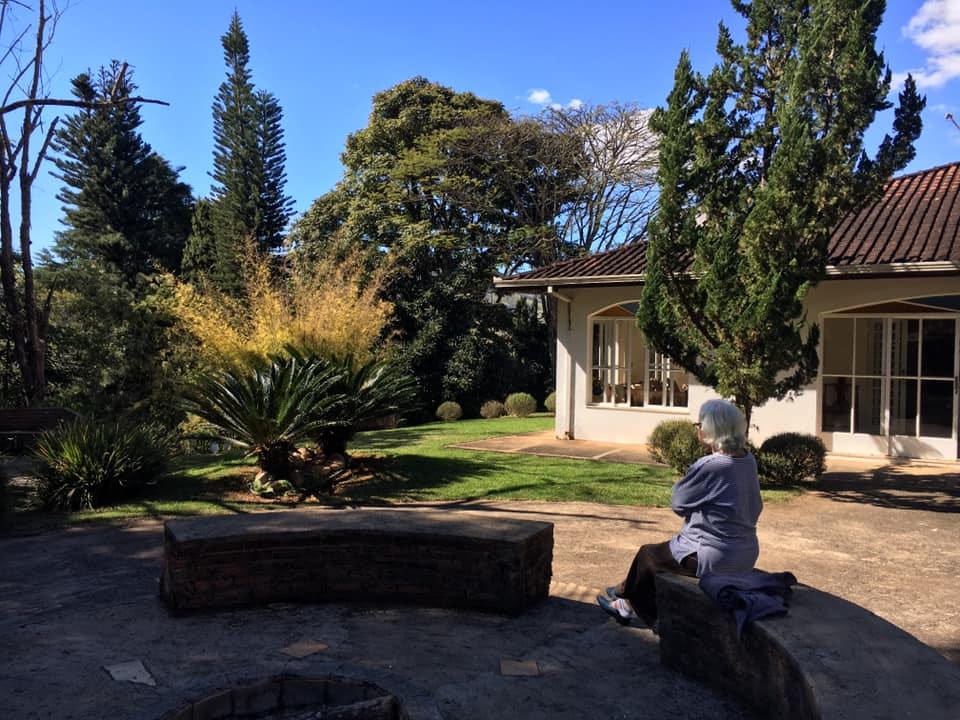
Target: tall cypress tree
249 154
123 203
758 162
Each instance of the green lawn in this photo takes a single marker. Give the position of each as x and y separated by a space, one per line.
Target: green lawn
404 464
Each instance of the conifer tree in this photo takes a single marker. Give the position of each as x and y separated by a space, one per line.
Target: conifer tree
249 154
123 203
758 162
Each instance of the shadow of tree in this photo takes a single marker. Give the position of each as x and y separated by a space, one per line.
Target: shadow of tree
894 486
400 437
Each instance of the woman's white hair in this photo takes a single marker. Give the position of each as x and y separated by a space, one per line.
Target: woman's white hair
723 425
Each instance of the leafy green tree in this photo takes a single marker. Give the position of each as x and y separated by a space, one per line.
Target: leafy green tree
437 187
109 346
758 162
123 204
249 154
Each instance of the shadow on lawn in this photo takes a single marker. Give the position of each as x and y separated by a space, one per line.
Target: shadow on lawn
380 440
385 480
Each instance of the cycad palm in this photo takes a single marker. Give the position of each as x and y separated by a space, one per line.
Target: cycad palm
371 391
270 408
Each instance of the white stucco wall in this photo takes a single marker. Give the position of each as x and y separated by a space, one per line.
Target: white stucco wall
799 413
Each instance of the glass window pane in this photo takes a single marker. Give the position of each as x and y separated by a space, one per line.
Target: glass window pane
903 407
681 389
835 406
868 410
596 386
838 346
597 343
655 387
939 341
904 344
936 408
869 346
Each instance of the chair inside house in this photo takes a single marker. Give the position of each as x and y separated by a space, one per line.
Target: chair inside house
655 396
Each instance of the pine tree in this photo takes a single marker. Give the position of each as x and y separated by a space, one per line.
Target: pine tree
249 155
123 203
758 162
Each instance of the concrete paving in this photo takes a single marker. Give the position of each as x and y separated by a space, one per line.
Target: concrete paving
74 603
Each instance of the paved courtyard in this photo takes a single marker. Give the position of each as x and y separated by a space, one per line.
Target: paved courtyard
77 604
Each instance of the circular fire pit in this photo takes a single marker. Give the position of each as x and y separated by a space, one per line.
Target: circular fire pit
296 698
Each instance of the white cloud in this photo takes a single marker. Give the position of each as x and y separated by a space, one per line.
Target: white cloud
539 96
936 29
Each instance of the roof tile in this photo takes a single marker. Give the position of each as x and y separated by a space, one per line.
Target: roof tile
915 220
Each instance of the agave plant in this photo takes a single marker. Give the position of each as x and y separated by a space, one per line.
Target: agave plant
271 407
372 391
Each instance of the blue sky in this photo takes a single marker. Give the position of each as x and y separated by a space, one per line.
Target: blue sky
325 60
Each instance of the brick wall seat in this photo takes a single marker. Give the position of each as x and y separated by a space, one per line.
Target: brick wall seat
828 658
427 557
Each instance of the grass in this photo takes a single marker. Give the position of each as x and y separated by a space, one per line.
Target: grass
391 466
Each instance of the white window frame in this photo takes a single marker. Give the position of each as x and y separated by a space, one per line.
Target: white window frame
611 380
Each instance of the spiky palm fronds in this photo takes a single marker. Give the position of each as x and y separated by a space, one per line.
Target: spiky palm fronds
270 408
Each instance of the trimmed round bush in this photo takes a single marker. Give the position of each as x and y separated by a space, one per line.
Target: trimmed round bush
449 411
675 443
790 458
551 402
492 409
520 404
88 464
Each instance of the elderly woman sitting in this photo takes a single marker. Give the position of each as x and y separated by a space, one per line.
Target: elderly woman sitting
719 501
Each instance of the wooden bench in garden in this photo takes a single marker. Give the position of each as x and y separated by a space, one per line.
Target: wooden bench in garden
426 557
827 658
18 426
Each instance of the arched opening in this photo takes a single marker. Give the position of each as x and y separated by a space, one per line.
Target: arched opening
889 377
624 371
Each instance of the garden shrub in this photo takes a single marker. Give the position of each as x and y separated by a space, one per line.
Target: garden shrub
551 402
449 411
675 443
492 409
520 404
88 464
790 458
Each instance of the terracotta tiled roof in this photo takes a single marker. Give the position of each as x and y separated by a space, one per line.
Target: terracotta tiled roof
916 220
624 261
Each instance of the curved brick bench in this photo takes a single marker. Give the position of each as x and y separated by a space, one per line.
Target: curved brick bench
828 658
429 557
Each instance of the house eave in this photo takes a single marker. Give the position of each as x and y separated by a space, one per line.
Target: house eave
833 272
886 269
572 281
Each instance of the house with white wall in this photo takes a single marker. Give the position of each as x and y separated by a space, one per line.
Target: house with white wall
889 313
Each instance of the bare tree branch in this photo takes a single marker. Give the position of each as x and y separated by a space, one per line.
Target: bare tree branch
57 102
